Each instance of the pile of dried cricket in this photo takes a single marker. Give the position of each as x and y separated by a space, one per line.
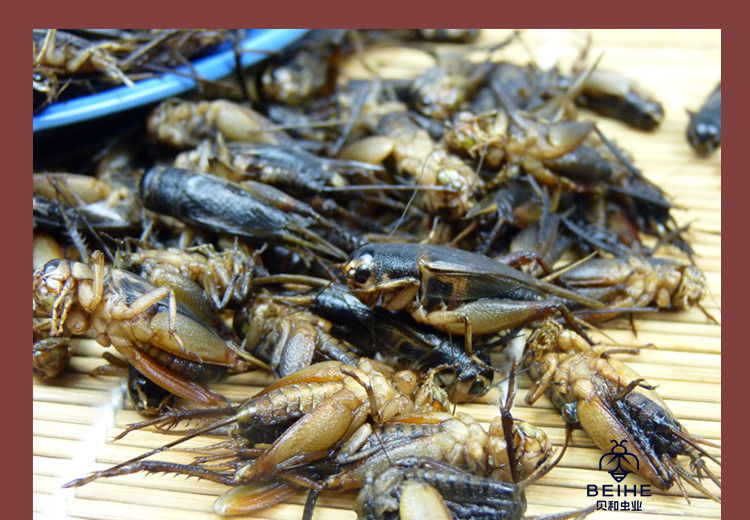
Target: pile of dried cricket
373 244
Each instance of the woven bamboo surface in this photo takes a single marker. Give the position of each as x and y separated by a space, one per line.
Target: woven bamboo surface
76 416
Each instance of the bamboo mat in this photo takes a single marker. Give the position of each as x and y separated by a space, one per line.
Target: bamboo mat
76 416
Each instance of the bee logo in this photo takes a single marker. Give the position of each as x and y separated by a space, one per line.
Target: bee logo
619 453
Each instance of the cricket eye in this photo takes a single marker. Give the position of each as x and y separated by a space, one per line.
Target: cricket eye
363 273
478 387
51 266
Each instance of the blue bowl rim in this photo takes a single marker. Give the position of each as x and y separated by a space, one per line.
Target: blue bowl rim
213 67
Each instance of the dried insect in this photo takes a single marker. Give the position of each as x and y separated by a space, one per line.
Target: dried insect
455 439
704 129
74 203
364 392
610 401
184 124
93 59
526 87
429 164
513 140
158 335
290 167
306 69
613 95
289 338
325 404
225 207
404 343
572 155
51 356
71 188
402 491
455 291
62 52
617 235
517 205
225 276
443 89
548 92
415 488
633 281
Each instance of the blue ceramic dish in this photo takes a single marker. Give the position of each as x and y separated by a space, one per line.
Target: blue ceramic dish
213 67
